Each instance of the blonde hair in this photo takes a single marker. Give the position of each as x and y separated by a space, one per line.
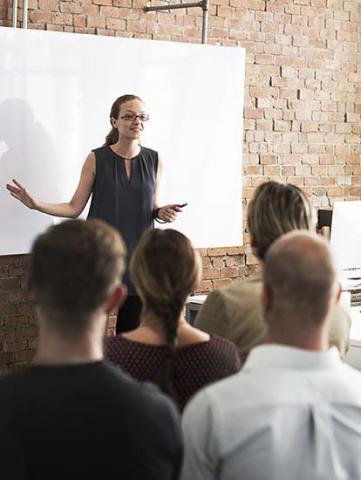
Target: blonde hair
275 209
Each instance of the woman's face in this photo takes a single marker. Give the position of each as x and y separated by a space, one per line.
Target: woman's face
130 122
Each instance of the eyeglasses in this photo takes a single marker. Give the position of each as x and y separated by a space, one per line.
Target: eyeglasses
131 117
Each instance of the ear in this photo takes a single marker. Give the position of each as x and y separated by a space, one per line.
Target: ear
267 298
253 245
30 289
338 292
113 122
116 299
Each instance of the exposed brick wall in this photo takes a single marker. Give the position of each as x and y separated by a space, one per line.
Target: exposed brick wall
302 108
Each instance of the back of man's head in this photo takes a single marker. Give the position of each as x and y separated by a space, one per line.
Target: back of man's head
275 209
74 267
299 280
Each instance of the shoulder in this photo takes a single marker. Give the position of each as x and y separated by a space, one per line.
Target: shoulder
101 150
129 354
227 300
15 388
8 383
250 286
151 156
226 352
204 410
221 344
150 152
155 408
137 392
115 348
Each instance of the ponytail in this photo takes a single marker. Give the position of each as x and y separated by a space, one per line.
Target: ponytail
165 270
164 376
112 137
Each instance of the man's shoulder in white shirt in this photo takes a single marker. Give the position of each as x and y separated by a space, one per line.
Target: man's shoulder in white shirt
282 414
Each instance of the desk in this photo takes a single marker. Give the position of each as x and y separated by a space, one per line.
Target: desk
193 305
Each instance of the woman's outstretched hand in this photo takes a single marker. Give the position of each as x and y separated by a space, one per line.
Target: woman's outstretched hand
20 193
168 213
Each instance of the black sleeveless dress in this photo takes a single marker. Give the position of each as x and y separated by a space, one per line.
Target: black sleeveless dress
126 204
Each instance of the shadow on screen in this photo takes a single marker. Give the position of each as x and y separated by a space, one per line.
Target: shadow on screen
27 154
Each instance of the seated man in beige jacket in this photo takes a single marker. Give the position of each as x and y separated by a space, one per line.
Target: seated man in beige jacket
235 312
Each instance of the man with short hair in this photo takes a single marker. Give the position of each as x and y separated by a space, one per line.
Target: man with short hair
71 415
294 410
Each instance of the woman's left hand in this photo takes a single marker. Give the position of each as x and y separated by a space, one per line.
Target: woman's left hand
168 213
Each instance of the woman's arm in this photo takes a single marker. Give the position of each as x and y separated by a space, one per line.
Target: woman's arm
70 209
168 213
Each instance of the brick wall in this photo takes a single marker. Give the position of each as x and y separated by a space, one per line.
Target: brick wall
302 108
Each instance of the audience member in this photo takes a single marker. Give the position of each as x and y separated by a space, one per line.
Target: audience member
71 415
293 412
235 312
165 349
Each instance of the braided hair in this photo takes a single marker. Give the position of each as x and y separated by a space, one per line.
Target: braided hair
165 270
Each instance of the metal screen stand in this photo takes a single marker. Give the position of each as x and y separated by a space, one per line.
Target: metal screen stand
203 4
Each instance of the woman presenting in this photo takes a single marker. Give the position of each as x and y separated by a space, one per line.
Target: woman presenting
123 178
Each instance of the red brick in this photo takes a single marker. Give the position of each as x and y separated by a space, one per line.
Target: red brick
252 113
39 17
210 274
221 283
264 124
205 286
79 20
91 10
109 12
218 262
216 252
71 7
49 5
115 23
95 22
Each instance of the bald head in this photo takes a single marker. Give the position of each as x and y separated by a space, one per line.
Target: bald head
299 279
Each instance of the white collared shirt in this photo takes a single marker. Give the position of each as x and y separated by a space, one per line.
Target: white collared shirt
289 414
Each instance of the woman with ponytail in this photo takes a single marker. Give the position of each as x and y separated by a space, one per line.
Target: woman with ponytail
123 178
165 349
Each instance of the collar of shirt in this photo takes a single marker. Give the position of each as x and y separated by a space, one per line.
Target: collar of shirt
282 356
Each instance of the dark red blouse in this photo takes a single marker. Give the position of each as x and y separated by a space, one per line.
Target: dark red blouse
195 365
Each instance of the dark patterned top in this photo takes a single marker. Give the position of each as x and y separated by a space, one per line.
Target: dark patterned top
126 203
195 365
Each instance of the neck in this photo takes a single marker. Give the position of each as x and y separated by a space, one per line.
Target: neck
152 327
307 338
150 320
126 148
55 349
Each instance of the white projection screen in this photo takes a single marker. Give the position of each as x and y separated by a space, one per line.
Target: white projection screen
56 90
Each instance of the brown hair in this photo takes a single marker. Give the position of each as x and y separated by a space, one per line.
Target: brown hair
74 265
275 209
165 270
113 135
